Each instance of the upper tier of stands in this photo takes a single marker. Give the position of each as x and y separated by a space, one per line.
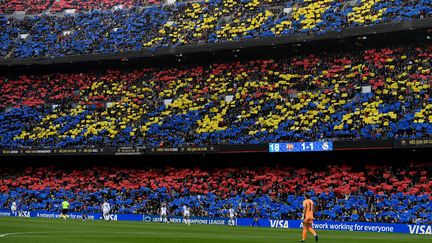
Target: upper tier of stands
361 94
86 5
192 23
54 6
384 193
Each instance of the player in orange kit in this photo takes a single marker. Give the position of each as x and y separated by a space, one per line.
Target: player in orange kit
308 218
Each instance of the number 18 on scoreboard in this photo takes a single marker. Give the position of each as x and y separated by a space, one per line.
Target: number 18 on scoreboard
301 147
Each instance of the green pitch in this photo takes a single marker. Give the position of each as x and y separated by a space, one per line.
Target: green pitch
60 231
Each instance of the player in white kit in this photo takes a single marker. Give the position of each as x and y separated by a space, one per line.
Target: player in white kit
106 211
163 213
14 208
231 215
186 215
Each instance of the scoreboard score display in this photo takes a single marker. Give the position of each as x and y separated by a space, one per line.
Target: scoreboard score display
301 147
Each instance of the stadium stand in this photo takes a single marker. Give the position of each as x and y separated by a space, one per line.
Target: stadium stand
192 23
40 6
87 5
84 34
365 93
370 193
30 6
362 94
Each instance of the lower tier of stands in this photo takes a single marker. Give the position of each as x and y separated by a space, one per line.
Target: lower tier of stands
372 193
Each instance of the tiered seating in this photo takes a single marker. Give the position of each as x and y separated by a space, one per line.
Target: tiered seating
31 6
85 5
55 88
371 193
6 39
192 23
121 31
300 98
39 6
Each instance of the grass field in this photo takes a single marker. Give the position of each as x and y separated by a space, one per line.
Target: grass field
60 231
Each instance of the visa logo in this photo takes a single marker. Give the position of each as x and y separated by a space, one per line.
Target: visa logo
420 229
279 224
24 214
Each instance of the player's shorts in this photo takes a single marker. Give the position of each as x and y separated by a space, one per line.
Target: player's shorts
163 214
13 209
231 216
64 211
187 214
308 221
105 212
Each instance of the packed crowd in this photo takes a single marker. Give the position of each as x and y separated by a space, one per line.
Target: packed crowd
31 6
371 193
362 94
192 23
40 6
86 5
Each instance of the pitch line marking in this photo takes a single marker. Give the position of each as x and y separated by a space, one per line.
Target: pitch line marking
128 234
158 235
16 233
39 232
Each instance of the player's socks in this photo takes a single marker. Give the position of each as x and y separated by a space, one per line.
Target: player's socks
316 238
301 240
